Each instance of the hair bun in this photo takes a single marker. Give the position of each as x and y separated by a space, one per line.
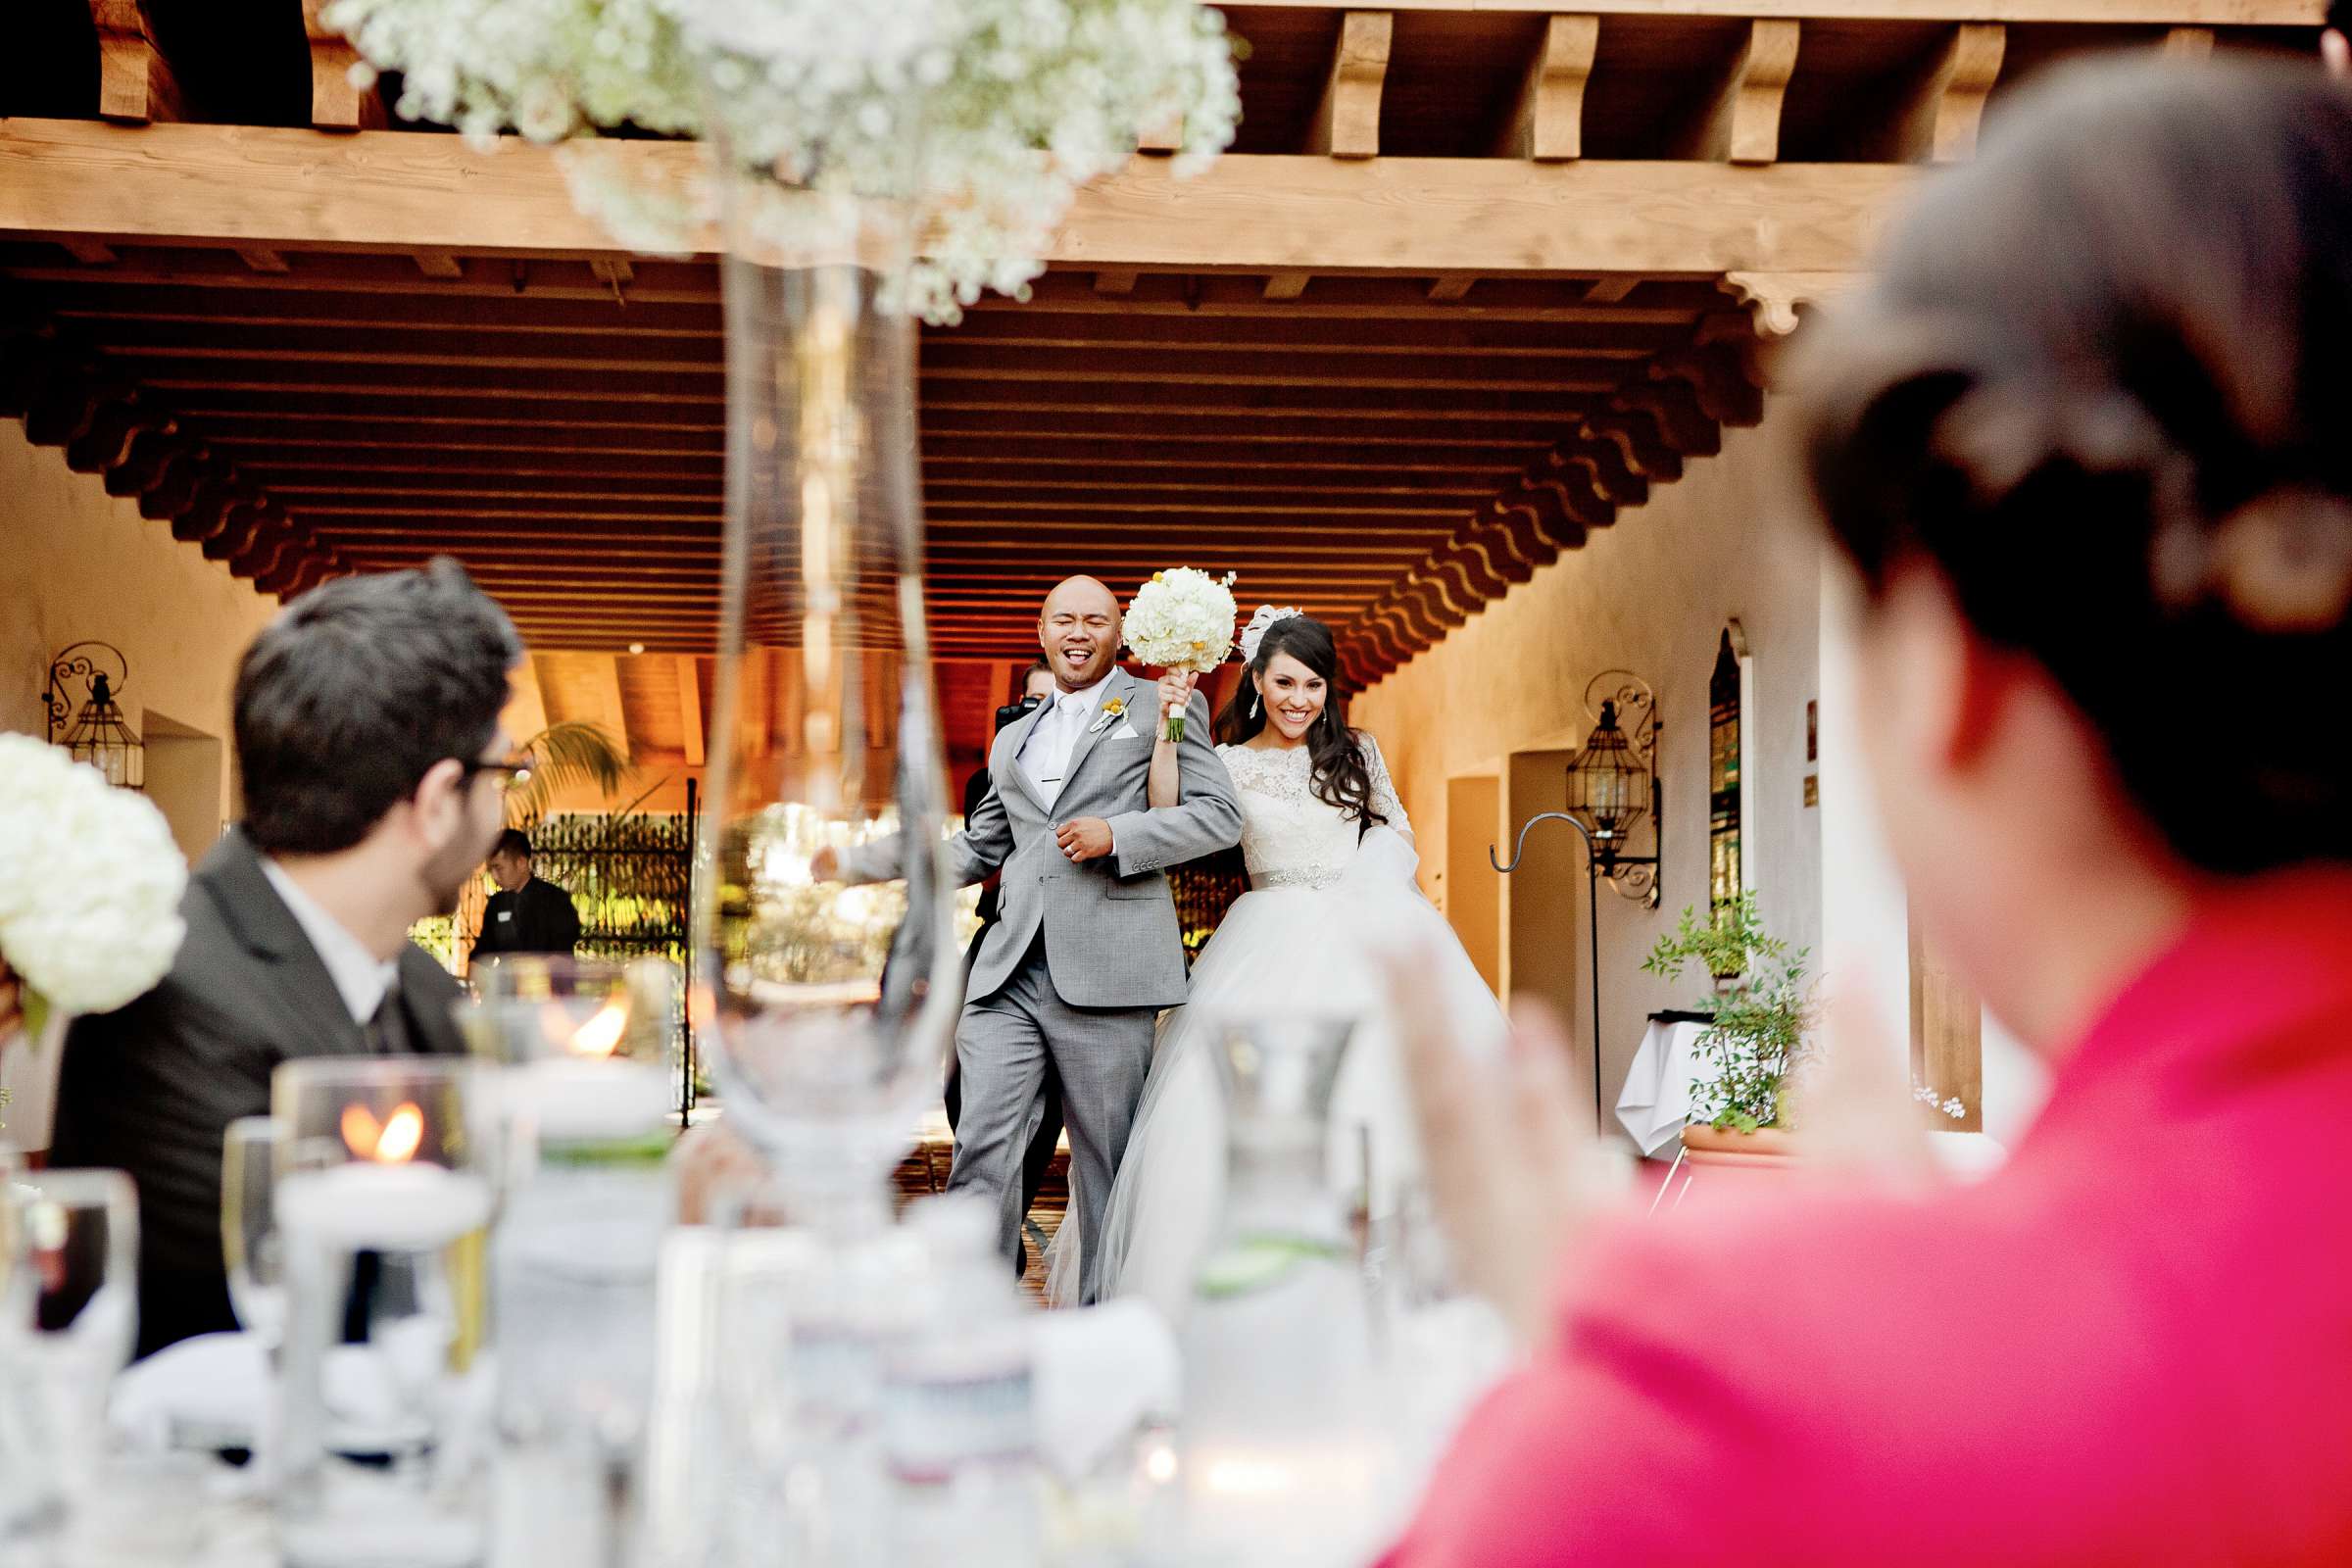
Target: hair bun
2282 562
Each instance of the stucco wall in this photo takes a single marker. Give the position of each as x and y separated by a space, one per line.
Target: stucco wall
76 563
1651 595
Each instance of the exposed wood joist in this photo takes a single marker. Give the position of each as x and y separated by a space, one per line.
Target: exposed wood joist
1347 122
135 83
295 189
1547 119
1740 120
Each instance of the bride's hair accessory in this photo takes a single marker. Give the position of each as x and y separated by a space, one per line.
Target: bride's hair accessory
1255 633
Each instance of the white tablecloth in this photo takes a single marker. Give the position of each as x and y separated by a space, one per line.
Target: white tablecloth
1656 1097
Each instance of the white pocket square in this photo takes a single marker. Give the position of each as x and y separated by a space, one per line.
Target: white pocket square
1125 732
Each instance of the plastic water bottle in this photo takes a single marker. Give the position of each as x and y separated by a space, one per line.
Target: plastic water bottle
959 1414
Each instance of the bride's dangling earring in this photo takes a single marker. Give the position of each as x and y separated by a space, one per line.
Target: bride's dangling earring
1253 703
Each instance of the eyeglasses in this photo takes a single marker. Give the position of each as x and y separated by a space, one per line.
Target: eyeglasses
514 775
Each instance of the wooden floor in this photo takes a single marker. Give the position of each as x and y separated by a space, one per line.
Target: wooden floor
926 1171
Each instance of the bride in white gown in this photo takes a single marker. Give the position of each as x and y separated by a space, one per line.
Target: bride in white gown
1331 862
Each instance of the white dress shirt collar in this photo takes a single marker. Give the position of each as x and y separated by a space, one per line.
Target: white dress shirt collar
360 976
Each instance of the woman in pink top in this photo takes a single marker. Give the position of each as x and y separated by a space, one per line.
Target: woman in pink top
2087 445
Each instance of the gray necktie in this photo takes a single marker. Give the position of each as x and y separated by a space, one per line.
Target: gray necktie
388 1031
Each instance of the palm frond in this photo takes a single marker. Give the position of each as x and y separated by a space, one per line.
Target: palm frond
564 755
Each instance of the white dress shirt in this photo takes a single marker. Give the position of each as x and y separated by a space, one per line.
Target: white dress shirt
360 976
1045 753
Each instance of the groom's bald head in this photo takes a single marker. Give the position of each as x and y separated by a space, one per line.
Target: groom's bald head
1079 631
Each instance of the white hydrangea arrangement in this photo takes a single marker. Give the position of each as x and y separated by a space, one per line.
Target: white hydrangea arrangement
1182 619
90 881
1008 106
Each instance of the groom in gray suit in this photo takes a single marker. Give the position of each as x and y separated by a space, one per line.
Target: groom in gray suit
1086 951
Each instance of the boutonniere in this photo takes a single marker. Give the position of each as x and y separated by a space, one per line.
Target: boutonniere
1112 711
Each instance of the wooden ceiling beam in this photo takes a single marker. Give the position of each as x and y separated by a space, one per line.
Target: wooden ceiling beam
1740 122
2221 13
1547 120
343 420
1346 120
135 83
1305 364
1344 296
300 189
1255 395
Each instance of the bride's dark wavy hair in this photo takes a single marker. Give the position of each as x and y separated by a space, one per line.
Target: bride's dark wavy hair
1336 758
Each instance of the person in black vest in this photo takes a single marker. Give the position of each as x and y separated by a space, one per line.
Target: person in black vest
528 913
374 769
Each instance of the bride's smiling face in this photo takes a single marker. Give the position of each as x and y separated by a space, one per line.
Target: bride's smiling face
1293 696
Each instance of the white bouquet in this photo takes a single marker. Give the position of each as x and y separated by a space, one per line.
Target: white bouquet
1006 106
1182 619
89 885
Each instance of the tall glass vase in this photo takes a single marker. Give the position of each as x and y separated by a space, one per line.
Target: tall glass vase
826 1006
1283 1458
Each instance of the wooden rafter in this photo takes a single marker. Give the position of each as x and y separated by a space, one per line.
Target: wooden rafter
1347 122
135 83
1547 120
1739 121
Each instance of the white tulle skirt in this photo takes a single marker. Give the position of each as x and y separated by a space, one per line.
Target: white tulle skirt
1280 949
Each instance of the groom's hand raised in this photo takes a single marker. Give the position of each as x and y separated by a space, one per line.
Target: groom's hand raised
1084 837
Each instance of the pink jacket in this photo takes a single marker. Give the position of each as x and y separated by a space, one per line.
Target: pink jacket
2132 1344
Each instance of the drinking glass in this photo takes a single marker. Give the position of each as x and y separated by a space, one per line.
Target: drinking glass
385 1202
1284 1460
249 1240
71 1320
576 1264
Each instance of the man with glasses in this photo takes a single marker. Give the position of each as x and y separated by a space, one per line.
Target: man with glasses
367 726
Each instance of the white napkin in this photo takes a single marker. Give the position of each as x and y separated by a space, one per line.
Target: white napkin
1656 1097
209 1392
1102 1371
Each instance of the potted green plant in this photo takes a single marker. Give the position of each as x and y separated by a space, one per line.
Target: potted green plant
1759 1015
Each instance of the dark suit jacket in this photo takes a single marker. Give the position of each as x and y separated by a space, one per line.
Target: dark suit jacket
151 1088
536 917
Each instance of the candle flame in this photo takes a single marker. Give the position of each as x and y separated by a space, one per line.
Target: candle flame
393 1142
601 1035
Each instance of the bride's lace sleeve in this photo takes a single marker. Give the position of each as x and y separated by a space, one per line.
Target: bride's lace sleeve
1384 789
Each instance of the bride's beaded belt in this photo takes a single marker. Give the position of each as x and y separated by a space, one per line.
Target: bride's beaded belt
1298 877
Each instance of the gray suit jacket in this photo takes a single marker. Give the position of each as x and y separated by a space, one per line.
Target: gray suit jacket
152 1087
1111 938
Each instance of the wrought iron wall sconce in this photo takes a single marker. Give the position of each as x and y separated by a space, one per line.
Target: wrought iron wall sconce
1612 790
94 731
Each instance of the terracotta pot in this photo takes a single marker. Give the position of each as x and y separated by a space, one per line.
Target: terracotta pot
1727 1146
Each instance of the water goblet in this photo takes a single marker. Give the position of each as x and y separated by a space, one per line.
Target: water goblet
249 1238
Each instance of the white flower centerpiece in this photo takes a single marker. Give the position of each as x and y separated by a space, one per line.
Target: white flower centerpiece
1182 619
89 890
986 116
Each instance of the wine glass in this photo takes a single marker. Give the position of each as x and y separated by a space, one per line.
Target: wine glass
249 1240
826 999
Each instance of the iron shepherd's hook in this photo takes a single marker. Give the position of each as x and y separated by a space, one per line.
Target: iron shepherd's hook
1591 927
1519 849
